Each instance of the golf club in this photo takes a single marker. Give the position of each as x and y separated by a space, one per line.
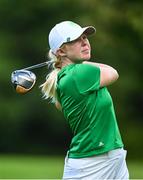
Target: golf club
23 80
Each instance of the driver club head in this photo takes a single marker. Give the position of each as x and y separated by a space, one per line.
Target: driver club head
23 80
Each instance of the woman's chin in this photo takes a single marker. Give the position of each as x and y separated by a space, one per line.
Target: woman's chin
87 57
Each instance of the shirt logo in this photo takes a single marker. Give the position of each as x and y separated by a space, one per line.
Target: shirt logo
101 144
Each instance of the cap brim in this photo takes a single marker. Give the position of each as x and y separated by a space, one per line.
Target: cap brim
89 30
85 30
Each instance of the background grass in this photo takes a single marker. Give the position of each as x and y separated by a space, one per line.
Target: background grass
23 167
46 167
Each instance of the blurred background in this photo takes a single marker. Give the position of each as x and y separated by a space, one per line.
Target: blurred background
34 136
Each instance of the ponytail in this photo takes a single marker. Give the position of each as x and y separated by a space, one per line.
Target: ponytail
49 86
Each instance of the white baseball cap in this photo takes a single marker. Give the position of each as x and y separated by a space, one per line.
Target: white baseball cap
67 31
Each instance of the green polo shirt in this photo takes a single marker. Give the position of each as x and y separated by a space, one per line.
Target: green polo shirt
89 111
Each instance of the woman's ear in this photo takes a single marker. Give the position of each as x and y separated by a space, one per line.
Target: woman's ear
61 52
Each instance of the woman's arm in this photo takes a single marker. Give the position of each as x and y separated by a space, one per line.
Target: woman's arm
108 74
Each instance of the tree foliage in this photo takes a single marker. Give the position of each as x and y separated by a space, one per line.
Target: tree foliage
30 124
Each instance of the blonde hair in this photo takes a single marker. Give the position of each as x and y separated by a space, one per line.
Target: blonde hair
49 86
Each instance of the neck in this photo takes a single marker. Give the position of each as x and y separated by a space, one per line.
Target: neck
66 61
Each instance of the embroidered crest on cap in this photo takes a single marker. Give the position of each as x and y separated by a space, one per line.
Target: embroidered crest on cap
68 39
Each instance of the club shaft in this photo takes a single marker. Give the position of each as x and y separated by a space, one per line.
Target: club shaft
37 66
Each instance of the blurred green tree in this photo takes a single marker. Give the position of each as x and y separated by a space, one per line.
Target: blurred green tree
30 124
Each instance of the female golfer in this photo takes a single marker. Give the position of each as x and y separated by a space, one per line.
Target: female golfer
79 89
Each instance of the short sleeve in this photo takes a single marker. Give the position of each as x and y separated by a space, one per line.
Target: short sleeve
86 78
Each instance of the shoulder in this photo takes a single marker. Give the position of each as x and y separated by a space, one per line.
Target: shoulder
84 66
86 69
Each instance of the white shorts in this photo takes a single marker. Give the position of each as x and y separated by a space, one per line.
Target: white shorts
110 165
